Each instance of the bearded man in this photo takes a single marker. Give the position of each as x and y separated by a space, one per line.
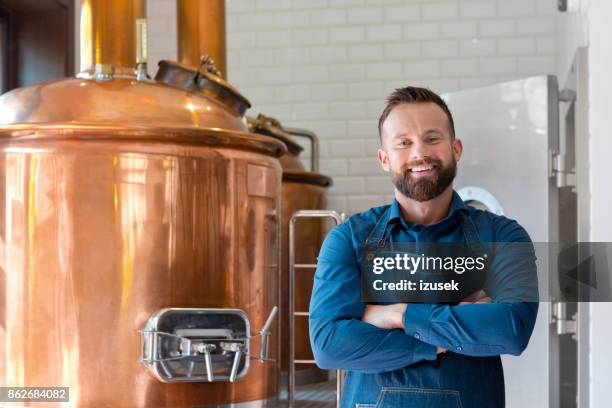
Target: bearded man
420 354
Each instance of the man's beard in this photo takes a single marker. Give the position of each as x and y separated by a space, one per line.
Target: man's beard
425 188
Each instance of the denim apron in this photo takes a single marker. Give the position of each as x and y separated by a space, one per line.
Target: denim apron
451 381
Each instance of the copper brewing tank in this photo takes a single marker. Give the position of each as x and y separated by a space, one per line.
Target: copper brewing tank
121 197
301 190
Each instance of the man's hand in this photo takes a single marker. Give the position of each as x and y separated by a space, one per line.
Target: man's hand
385 316
388 317
480 296
392 316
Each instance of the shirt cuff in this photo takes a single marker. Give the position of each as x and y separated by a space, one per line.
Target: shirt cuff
416 320
424 351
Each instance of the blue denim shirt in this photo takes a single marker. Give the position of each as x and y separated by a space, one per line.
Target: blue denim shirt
401 368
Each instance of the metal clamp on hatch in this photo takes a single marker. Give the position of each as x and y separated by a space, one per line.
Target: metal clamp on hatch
205 80
192 345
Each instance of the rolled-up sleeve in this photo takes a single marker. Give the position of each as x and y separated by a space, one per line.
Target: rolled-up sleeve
338 337
503 326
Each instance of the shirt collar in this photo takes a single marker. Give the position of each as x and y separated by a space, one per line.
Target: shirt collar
395 215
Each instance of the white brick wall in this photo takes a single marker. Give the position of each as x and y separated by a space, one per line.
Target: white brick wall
162 35
572 32
327 65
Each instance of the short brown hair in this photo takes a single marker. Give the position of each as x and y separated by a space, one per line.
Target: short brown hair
413 94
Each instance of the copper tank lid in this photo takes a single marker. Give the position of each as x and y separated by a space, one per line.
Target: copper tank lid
267 125
141 109
293 169
82 101
110 101
113 98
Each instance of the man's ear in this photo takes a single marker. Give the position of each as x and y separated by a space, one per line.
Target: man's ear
383 159
457 149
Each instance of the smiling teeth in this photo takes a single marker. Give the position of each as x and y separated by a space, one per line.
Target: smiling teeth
421 168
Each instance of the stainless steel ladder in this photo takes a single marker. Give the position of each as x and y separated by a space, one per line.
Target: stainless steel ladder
338 219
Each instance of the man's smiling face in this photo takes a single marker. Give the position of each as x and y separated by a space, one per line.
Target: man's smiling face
419 150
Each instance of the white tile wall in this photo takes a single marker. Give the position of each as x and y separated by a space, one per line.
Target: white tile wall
162 34
361 50
328 65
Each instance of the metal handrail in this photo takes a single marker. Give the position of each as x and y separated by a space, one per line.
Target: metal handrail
338 219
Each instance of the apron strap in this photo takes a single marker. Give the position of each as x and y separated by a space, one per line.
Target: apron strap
470 233
377 236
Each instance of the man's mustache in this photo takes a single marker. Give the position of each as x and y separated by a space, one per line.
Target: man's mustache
421 162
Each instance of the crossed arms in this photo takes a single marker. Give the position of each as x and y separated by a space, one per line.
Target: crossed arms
345 333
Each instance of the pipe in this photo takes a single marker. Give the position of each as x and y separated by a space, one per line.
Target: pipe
201 31
108 32
314 144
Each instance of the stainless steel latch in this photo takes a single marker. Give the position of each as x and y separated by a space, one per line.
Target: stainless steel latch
560 320
558 169
192 345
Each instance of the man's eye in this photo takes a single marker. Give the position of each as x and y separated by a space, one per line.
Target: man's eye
403 143
433 139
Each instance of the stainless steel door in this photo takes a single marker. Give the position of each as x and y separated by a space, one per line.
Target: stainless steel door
509 132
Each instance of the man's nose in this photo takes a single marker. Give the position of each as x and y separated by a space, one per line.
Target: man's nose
419 150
